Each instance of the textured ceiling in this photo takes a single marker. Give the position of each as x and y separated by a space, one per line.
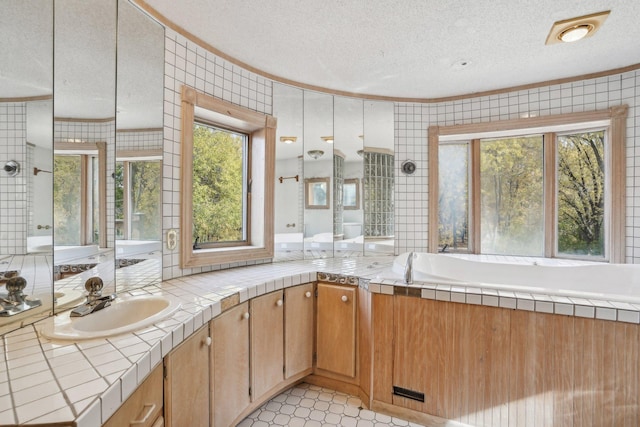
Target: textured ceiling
409 48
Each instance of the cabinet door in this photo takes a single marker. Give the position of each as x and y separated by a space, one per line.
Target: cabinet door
144 406
267 343
186 397
230 360
336 339
298 329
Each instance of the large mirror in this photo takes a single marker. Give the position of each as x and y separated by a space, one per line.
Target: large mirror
334 175
84 144
378 178
348 172
139 141
26 93
318 163
289 192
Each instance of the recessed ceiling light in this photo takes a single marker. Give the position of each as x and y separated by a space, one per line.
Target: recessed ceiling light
574 29
288 139
327 139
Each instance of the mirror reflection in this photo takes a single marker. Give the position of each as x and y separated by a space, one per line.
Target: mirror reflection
138 169
318 163
289 191
84 144
350 143
26 89
378 180
317 193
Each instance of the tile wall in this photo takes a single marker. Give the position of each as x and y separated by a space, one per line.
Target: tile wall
412 121
13 190
190 64
140 140
186 62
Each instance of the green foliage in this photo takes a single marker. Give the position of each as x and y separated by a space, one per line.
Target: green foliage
581 193
145 200
218 190
512 203
66 200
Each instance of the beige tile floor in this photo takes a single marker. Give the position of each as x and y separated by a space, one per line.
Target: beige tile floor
311 406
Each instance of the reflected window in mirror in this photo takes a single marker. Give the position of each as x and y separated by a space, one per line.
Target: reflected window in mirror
351 194
76 192
137 192
227 161
220 186
317 193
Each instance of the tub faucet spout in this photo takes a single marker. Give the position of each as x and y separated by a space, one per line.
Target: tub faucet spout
408 269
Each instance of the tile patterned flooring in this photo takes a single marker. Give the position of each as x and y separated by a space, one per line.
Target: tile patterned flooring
307 405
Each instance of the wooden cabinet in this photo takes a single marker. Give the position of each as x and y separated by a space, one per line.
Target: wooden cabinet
144 407
298 330
336 329
267 343
186 398
230 365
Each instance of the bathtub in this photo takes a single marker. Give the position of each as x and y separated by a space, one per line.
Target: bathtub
137 248
288 241
610 282
39 244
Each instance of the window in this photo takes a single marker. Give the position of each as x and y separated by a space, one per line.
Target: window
317 193
351 194
137 187
220 179
227 161
78 192
551 186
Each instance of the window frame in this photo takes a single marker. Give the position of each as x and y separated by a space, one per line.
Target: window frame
261 129
612 120
127 157
86 150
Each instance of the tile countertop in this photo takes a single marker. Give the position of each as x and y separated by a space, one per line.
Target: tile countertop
44 382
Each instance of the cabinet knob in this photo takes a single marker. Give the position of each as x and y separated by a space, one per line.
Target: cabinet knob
245 315
207 341
344 298
307 294
279 303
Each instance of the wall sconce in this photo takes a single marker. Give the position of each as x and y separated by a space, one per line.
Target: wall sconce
12 168
288 139
315 154
327 139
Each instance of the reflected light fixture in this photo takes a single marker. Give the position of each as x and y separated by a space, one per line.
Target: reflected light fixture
360 153
315 154
288 139
574 29
327 139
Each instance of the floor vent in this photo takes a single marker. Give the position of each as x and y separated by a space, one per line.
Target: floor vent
409 394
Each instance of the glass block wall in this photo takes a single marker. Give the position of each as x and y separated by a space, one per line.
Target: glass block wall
338 184
378 194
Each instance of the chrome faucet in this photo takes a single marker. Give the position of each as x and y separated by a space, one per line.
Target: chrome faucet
408 269
95 300
15 301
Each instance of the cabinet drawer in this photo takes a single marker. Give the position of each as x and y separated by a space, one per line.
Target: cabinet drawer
144 406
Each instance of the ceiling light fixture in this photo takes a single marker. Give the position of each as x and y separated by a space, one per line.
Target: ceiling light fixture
327 139
574 29
288 139
315 154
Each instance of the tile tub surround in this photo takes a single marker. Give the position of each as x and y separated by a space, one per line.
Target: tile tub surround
43 382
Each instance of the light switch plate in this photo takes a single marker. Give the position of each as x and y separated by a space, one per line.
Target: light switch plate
172 239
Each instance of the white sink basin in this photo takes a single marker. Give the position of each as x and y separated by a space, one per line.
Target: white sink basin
124 315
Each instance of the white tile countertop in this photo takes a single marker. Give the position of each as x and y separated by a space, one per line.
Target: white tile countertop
44 382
